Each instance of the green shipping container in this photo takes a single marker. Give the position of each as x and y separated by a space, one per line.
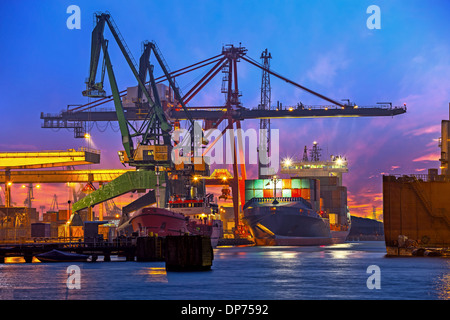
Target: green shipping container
296 184
259 193
258 184
249 184
249 194
305 184
267 184
287 193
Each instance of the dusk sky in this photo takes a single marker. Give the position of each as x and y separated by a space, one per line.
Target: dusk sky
323 45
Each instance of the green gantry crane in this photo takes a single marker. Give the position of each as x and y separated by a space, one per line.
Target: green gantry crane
152 154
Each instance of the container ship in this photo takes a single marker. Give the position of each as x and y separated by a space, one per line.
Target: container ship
308 208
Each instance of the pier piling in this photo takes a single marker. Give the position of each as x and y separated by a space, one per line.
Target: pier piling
188 253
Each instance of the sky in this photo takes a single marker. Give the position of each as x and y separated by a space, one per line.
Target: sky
325 46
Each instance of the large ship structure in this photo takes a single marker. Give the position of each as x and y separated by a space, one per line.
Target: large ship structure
309 207
416 208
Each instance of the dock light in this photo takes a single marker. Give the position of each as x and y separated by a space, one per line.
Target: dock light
87 136
9 183
287 162
339 161
224 178
38 186
23 186
355 107
195 178
291 109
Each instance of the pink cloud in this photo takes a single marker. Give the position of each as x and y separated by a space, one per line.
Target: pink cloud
433 156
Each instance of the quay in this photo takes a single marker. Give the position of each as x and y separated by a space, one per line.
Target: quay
181 253
120 247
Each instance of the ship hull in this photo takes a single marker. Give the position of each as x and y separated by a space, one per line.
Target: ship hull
289 225
159 221
163 222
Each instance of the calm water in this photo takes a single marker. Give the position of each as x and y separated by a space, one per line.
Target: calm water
241 273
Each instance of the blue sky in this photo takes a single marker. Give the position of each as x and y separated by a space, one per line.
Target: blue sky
323 45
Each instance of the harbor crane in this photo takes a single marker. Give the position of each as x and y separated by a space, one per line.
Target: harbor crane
153 151
153 134
148 146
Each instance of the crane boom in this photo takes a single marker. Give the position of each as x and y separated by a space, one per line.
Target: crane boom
156 123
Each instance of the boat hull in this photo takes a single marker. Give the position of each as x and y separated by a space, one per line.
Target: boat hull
60 256
159 221
290 224
163 222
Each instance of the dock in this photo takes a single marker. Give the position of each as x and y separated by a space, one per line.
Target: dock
125 247
181 253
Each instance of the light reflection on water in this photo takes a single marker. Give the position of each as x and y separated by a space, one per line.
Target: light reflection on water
328 272
154 274
443 285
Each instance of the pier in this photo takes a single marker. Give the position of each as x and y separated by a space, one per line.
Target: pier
120 247
181 253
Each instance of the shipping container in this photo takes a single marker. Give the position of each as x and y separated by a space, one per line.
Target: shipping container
249 184
40 230
249 194
267 184
305 183
306 194
287 193
63 215
296 193
296 184
268 193
287 183
50 216
258 184
259 193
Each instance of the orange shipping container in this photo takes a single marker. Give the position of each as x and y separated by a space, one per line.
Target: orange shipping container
50 216
268 193
287 183
63 215
306 194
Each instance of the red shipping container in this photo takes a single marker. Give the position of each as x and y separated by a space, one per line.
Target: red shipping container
268 193
296 193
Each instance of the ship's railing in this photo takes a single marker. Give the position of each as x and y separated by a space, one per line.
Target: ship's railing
421 177
282 199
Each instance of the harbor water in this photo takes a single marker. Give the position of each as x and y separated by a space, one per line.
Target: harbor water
343 271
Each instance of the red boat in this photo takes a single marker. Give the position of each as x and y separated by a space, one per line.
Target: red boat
159 221
181 217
